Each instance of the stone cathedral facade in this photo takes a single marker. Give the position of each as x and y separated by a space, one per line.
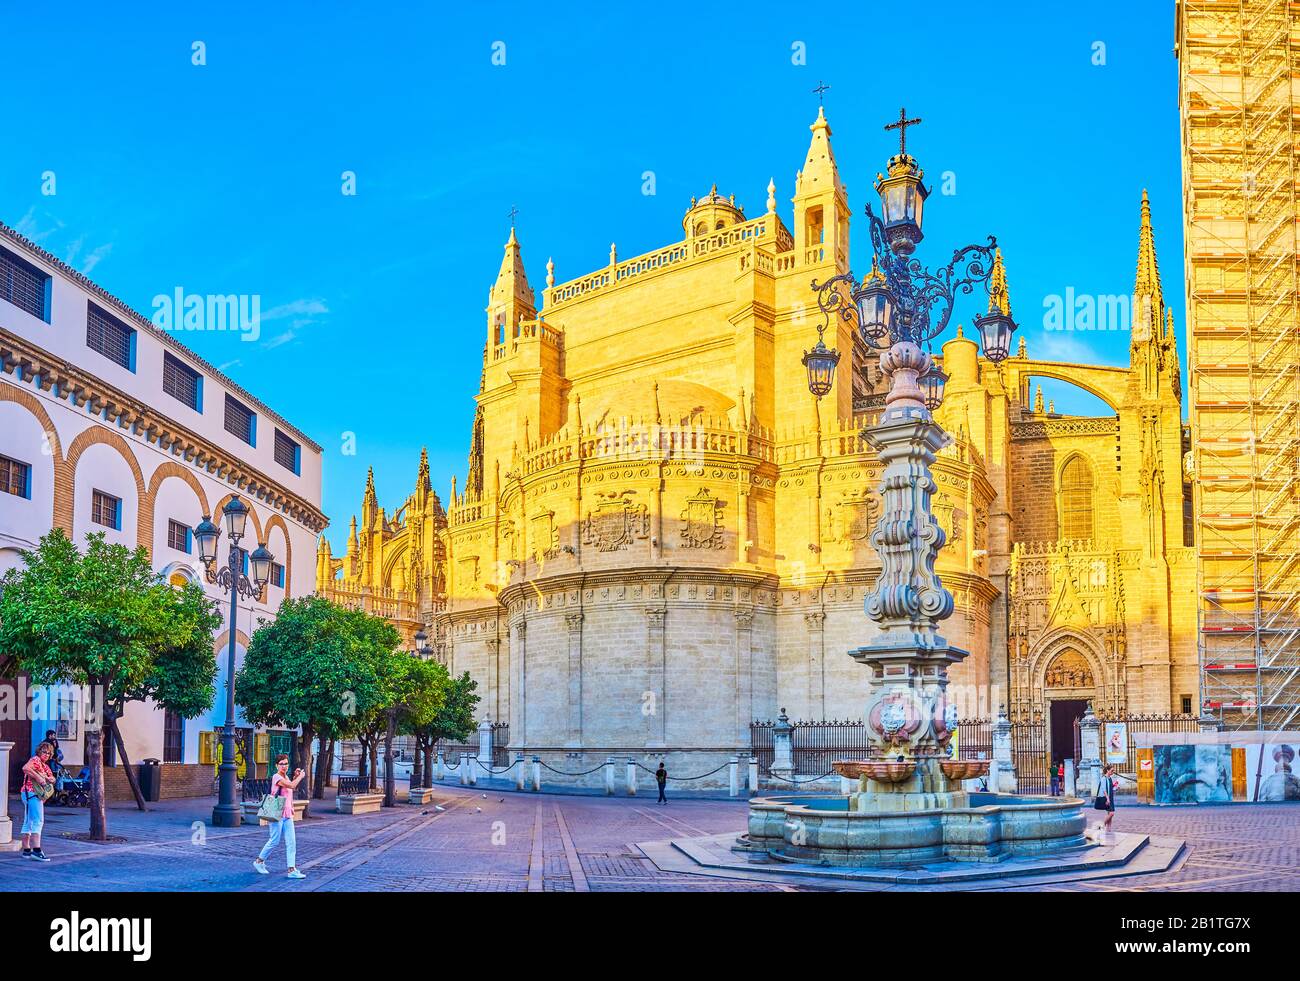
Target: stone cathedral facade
662 536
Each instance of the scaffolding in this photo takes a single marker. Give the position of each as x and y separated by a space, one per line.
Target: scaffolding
1238 79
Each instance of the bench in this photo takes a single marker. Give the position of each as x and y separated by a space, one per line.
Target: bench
251 793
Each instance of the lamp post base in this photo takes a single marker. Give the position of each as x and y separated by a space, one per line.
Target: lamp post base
227 816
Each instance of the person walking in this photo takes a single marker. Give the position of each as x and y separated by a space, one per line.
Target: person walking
282 786
1056 783
1106 799
38 784
1060 777
661 778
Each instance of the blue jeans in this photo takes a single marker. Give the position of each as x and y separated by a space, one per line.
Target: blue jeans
282 827
33 813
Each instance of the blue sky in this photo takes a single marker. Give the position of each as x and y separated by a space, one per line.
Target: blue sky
226 177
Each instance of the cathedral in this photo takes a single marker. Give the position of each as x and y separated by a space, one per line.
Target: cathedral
662 536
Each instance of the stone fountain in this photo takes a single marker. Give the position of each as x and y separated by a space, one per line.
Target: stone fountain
911 806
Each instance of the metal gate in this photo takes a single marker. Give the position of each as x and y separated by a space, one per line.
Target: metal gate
1030 752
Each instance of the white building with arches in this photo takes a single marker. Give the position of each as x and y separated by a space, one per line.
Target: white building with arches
109 424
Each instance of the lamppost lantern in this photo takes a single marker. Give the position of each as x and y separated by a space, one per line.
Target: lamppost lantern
995 329
932 383
420 638
821 362
902 201
874 304
206 537
235 516
260 563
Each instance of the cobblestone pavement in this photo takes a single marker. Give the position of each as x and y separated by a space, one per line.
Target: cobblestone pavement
551 843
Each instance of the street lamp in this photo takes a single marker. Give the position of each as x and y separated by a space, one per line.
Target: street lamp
898 309
234 515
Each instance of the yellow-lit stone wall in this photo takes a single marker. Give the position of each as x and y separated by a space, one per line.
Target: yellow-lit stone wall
662 536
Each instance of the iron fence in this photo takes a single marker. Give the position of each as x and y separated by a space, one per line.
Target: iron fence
351 786
816 745
1169 722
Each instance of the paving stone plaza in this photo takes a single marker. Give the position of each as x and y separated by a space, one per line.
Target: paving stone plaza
513 842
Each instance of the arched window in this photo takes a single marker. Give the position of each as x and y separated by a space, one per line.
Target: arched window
701 228
1076 501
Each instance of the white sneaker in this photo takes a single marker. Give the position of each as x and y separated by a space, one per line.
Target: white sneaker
260 867
295 874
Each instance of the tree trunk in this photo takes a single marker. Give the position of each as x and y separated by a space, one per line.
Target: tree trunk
98 812
364 756
390 779
374 762
322 772
417 770
126 761
428 764
305 755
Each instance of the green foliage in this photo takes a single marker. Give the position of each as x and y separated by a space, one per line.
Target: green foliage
183 675
104 617
454 719
316 664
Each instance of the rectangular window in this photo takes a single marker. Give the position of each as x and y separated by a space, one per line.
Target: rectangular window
241 421
1187 704
15 477
25 286
179 536
106 510
277 574
287 452
182 382
110 337
173 737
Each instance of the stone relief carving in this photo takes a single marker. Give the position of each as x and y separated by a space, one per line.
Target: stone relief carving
1069 669
543 535
616 521
702 521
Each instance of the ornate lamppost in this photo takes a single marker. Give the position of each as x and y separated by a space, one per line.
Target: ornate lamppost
899 307
231 576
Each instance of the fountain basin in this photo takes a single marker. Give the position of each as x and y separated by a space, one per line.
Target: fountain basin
964 769
992 827
882 771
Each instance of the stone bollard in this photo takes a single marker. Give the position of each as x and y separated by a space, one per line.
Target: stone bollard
631 777
464 769
6 825
1071 780
1002 754
537 774
609 776
485 741
753 775
993 776
847 786
440 770
782 748
733 775
521 771
1089 753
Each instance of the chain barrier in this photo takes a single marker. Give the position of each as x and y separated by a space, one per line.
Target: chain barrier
680 779
792 780
582 774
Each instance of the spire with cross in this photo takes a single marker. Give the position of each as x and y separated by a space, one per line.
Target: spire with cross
513 211
821 90
901 126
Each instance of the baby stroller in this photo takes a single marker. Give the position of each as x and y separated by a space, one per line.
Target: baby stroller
72 791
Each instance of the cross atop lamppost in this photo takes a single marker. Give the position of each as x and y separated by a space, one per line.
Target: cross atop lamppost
821 90
901 126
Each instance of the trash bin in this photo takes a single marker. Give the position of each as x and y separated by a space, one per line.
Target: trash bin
149 773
